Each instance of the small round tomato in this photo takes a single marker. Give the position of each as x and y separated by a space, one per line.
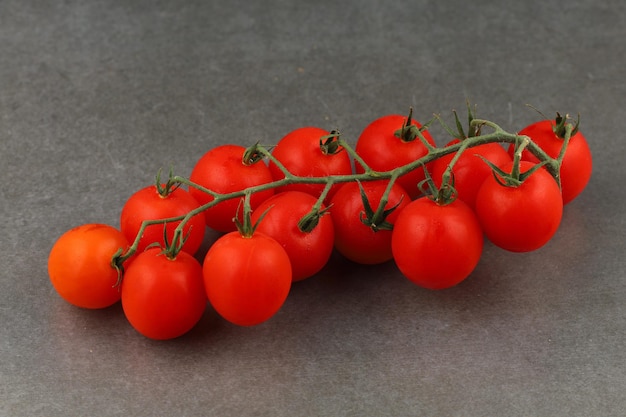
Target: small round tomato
163 297
470 171
222 170
437 246
308 251
383 147
577 163
353 238
304 152
149 204
247 279
79 265
520 218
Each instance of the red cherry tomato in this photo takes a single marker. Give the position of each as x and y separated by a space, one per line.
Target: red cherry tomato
470 171
79 265
577 164
522 218
247 279
355 240
300 152
163 298
437 246
149 204
307 251
222 170
383 150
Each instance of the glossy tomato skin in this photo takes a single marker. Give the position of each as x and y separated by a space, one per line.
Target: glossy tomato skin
308 251
355 240
522 218
437 246
79 265
470 171
299 151
221 170
577 164
148 204
382 150
163 298
247 279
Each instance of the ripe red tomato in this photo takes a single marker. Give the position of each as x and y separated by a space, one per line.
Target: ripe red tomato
163 298
247 279
222 170
79 265
307 251
577 163
436 246
300 152
522 218
355 240
383 150
470 171
148 204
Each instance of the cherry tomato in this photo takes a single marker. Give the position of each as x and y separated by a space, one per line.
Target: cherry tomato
307 251
222 170
300 152
577 163
383 150
436 246
79 265
354 239
149 204
470 171
163 297
247 279
522 218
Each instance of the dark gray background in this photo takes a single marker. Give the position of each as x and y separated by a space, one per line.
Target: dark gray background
96 96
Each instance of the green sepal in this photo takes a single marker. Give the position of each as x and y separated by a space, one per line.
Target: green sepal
375 220
329 144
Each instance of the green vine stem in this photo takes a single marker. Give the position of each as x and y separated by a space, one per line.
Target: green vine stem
253 155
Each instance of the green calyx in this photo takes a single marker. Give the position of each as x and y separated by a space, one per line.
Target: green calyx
443 195
245 226
409 132
376 220
169 187
310 220
329 144
560 125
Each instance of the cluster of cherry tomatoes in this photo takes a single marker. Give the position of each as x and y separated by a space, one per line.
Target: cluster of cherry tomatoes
287 232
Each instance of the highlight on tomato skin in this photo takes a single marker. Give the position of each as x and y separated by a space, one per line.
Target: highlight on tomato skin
79 265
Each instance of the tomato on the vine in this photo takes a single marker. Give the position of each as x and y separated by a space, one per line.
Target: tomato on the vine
436 246
223 170
307 251
310 152
391 141
470 171
150 204
355 239
520 218
247 278
80 268
163 297
577 163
